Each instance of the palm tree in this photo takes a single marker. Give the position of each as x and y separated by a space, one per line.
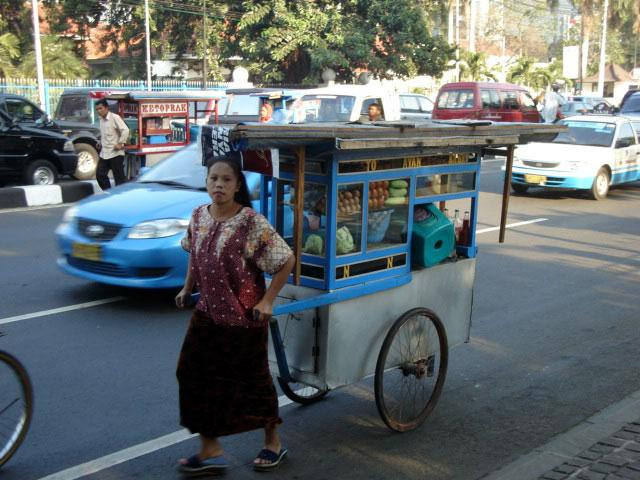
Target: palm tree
59 60
522 72
473 67
9 52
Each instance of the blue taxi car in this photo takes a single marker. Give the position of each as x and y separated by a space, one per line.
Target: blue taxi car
130 235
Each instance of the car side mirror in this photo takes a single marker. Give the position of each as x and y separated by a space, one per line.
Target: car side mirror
15 123
623 143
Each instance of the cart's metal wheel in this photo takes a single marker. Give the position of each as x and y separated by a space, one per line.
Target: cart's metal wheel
301 393
411 369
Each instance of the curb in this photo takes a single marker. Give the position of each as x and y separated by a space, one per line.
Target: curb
39 195
565 446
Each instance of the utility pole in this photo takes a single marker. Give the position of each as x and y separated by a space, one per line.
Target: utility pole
457 40
204 44
580 53
472 26
38 49
603 50
148 41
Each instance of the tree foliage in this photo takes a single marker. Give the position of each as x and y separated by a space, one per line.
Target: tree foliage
58 58
473 67
295 41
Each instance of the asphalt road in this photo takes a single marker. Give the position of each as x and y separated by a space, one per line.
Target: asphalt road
554 339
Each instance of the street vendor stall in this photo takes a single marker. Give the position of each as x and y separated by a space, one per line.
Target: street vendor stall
162 122
383 283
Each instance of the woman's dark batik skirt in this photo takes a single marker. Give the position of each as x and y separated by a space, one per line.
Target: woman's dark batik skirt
224 379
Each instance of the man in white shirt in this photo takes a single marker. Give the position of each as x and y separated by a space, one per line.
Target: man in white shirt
114 134
553 101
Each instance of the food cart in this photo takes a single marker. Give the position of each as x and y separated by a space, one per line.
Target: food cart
381 286
161 123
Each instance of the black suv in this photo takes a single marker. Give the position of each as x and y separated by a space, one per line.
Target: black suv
33 154
83 134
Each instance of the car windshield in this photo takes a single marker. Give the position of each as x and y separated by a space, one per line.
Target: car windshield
456 99
184 169
323 108
632 105
74 108
596 134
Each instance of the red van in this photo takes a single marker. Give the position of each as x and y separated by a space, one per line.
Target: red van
499 102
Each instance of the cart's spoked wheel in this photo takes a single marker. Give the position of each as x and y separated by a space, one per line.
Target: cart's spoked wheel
301 392
411 369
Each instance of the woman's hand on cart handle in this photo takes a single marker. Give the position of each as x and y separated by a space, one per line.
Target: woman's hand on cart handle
263 310
186 299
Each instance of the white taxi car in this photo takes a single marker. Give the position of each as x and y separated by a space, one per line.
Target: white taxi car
596 152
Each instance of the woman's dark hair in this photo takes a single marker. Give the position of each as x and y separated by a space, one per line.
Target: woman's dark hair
234 160
102 102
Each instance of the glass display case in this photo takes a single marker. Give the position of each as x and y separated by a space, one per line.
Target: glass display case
358 212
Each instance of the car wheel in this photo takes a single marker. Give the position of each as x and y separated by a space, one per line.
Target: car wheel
87 162
600 186
519 188
40 172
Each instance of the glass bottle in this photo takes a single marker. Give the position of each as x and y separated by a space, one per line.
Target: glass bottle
457 225
465 234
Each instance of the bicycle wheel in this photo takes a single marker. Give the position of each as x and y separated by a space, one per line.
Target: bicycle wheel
16 405
301 393
411 369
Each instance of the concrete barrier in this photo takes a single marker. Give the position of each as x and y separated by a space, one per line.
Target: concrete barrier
38 195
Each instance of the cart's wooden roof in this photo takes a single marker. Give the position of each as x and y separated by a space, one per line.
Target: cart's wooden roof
398 134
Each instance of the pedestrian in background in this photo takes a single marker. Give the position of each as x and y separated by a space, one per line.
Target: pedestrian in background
552 104
114 134
225 386
375 112
266 112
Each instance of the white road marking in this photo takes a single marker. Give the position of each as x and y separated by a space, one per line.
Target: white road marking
122 456
53 311
31 209
511 225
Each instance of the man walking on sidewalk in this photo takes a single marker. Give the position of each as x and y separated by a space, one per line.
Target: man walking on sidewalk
113 135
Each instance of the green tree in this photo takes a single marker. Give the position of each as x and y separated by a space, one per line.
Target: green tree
522 71
294 41
58 57
9 53
473 67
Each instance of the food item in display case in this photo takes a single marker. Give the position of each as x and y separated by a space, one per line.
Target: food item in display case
344 241
378 193
313 245
349 201
398 190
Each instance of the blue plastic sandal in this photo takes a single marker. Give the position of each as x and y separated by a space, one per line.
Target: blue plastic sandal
273 458
208 466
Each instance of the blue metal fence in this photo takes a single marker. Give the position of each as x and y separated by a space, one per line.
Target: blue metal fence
28 87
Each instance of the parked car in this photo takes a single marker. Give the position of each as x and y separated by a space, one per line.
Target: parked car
83 136
131 236
630 108
498 102
344 103
243 104
414 106
596 152
35 155
572 108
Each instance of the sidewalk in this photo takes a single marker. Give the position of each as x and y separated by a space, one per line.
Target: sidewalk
38 195
603 447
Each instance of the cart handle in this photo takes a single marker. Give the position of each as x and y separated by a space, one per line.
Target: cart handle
335 296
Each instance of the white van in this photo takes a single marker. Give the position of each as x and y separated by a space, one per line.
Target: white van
344 103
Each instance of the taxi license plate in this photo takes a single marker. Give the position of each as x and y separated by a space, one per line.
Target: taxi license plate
535 179
87 251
